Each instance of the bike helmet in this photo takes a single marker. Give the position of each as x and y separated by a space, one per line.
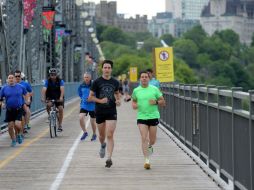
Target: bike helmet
52 71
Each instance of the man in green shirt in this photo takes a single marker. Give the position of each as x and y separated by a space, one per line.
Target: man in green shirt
146 99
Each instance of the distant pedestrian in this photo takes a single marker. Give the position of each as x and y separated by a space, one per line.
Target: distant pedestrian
146 99
126 90
86 107
153 81
105 92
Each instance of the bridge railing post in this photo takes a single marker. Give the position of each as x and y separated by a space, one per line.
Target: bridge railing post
194 116
251 128
201 98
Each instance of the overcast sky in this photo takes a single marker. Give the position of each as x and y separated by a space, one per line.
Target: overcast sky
142 7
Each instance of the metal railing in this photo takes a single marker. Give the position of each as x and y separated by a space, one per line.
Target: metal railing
70 91
217 125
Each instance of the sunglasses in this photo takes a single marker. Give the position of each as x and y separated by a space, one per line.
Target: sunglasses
17 76
52 74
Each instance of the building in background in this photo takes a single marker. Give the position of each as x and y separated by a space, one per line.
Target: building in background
164 23
186 9
229 14
106 14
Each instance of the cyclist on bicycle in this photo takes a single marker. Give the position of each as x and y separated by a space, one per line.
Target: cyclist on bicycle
53 89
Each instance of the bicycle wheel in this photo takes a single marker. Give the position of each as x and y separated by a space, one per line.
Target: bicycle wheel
52 125
55 126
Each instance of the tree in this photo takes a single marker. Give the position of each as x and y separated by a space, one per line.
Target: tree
228 36
113 34
187 50
196 34
168 39
99 30
124 62
183 73
113 50
216 48
150 44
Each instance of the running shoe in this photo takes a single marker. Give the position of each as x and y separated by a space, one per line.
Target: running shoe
108 163
19 137
85 134
103 150
60 129
13 143
28 126
25 131
150 150
93 137
128 99
147 164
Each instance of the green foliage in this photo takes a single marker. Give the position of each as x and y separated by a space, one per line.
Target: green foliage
113 50
116 35
215 47
196 34
168 39
150 44
228 36
124 62
187 50
183 73
99 30
142 36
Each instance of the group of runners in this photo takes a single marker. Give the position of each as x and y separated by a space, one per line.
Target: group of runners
99 99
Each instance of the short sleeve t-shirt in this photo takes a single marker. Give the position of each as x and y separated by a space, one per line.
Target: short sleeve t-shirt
105 88
13 95
26 85
142 96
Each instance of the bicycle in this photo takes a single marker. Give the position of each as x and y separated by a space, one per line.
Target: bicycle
53 119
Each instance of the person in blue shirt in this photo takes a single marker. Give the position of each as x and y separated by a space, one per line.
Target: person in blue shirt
86 107
19 76
153 81
13 94
53 89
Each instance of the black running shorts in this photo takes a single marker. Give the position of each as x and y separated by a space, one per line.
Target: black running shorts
148 122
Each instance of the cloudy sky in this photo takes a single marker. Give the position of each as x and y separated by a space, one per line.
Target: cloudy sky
142 7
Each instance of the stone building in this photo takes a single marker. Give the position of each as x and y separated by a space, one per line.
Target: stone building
237 15
106 14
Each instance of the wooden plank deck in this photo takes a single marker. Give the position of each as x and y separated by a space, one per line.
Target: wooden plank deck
39 160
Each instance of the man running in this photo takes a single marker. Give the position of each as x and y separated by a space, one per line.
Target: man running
105 93
146 99
86 107
54 90
13 94
19 76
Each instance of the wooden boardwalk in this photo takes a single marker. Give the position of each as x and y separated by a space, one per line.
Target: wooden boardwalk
66 163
